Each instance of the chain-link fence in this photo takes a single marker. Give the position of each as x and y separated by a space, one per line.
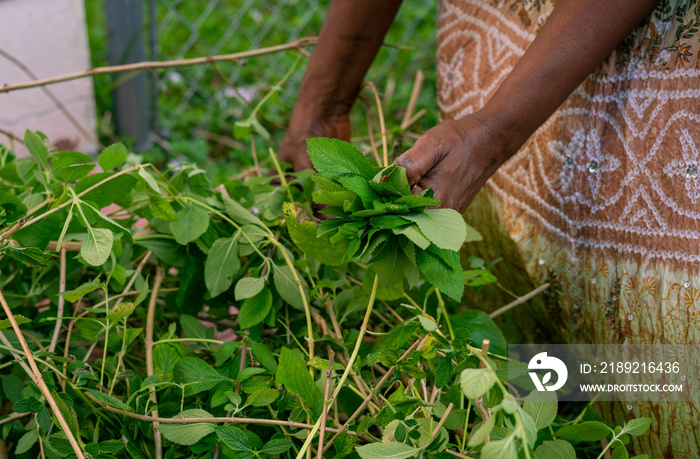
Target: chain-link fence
196 107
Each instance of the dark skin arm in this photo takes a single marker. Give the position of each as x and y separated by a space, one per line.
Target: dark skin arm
457 157
351 35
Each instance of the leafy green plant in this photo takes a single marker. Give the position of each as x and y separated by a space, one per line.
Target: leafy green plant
169 316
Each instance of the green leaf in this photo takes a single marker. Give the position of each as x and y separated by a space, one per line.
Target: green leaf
259 129
276 447
443 227
192 221
238 439
478 277
160 208
165 357
292 372
37 148
110 400
557 449
476 382
68 158
390 269
636 427
81 291
116 189
248 287
333 198
446 278
472 234
120 311
255 309
542 407
620 452
287 287
240 214
111 446
221 265
187 434
112 156
103 219
193 328
14 208
74 172
500 449
480 436
263 354
27 441
97 246
29 256
390 450
585 431
414 235
333 157
262 397
241 129
480 327
149 179
303 230
68 414
197 374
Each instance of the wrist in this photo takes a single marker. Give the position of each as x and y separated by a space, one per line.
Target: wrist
508 130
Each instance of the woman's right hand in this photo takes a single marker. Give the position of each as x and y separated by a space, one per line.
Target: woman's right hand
301 127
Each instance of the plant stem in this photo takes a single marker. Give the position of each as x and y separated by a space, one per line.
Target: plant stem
83 193
518 301
369 397
150 320
180 420
324 411
307 41
39 381
385 147
61 301
348 367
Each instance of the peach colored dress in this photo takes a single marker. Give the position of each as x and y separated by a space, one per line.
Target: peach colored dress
604 199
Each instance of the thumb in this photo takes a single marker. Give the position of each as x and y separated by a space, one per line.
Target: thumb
423 156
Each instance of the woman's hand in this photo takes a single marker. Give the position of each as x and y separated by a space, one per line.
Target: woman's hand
293 148
455 158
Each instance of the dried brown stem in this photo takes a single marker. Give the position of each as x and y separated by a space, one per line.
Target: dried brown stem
369 397
68 246
150 319
13 416
35 374
385 147
442 420
61 301
307 41
179 420
412 101
324 413
518 301
16 227
479 402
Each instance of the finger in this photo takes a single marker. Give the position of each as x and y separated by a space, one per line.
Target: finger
424 155
416 189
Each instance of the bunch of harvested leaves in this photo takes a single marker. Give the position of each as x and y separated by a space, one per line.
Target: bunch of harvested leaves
378 221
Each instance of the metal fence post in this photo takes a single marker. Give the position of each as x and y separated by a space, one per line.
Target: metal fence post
125 39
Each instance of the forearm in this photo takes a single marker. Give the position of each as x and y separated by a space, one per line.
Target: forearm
576 38
350 38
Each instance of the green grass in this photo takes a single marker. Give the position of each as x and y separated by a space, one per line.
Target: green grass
196 99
